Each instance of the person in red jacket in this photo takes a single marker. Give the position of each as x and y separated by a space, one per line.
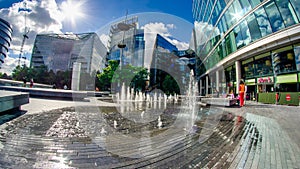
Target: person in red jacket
242 93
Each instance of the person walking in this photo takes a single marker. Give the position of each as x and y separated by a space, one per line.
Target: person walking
31 83
242 93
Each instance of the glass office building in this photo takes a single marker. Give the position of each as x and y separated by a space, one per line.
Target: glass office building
254 40
133 39
59 52
5 39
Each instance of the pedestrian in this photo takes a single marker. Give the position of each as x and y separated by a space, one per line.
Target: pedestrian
31 83
242 93
24 81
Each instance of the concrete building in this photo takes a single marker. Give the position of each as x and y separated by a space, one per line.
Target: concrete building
257 41
5 39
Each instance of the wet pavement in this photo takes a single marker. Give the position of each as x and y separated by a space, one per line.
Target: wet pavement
95 134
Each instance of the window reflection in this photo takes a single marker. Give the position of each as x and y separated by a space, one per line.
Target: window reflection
254 3
296 6
257 67
284 61
253 27
263 22
274 16
287 12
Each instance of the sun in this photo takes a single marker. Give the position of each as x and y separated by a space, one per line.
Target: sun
72 10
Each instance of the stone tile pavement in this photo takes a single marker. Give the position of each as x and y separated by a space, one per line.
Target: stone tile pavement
52 135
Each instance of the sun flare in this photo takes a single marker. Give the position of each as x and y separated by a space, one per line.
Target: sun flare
72 10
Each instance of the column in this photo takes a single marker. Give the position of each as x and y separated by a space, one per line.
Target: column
206 85
238 72
200 86
217 81
76 76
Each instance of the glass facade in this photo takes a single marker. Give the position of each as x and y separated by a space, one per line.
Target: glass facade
59 51
235 25
5 39
132 38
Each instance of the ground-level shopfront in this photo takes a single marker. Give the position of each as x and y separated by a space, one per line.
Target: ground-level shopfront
277 70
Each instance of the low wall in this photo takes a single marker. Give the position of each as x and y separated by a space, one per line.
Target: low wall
11 100
219 101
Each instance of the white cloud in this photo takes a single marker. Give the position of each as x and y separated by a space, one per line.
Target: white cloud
44 17
10 64
163 30
157 27
204 32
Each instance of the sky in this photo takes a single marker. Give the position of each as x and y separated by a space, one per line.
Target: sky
171 18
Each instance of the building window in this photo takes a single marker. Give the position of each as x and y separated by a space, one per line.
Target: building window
253 28
296 6
284 60
287 12
263 22
274 16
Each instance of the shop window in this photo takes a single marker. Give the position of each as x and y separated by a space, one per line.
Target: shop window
274 17
263 67
284 61
248 68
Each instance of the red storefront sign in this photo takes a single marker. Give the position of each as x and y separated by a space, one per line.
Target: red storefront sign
288 97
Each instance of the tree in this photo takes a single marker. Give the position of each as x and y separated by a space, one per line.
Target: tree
170 86
19 73
135 76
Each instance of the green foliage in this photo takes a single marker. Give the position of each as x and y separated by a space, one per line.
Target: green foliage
42 75
112 74
4 76
21 72
170 86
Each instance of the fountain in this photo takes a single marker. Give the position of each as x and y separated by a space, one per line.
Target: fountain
159 124
115 124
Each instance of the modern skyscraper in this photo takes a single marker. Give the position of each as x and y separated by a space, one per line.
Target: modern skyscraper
254 40
5 39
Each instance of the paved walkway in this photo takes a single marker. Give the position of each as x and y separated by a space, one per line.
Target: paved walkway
95 134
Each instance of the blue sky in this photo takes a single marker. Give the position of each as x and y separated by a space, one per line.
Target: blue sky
172 18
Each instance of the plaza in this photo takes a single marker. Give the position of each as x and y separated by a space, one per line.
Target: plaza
72 134
134 96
